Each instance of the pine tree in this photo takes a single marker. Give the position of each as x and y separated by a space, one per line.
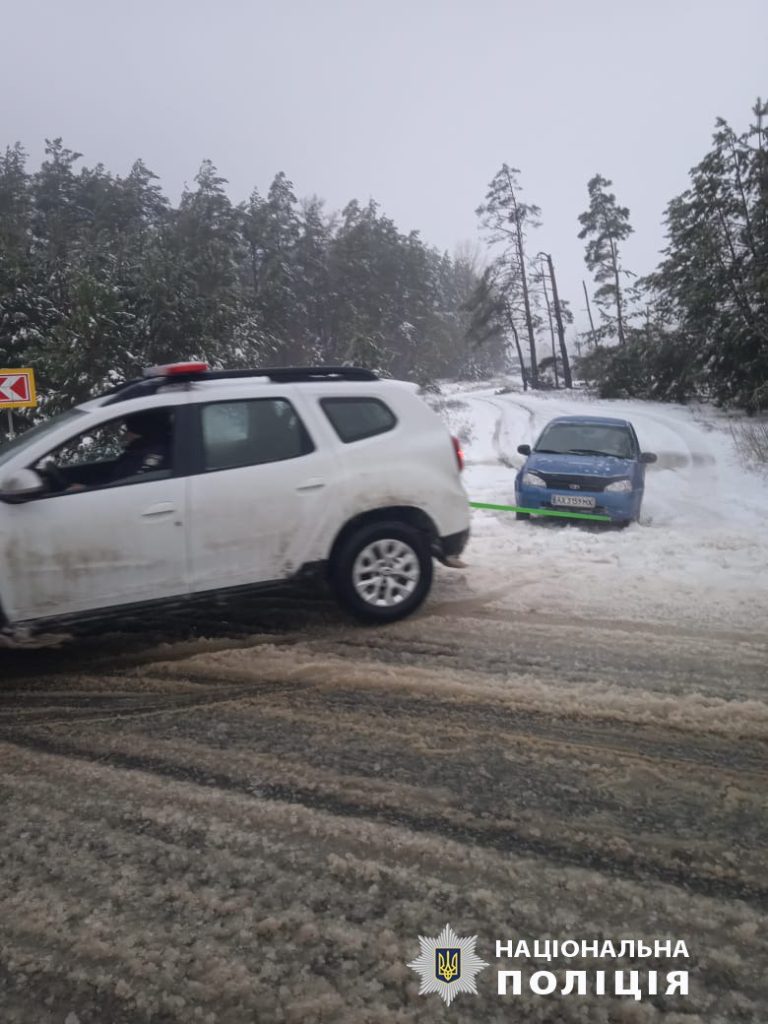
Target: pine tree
25 309
506 219
606 224
206 234
271 228
312 276
713 282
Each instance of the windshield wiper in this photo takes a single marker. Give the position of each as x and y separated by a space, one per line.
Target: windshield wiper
547 451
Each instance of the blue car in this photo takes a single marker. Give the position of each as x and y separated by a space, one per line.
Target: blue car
584 464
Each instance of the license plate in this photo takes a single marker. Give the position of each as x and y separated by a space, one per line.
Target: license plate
573 501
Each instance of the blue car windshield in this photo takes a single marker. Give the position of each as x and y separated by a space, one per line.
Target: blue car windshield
586 439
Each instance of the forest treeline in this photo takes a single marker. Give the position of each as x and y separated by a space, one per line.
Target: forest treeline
101 275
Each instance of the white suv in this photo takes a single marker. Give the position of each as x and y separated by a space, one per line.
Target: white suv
243 478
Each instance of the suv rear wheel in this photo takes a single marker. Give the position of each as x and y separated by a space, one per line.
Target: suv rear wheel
383 571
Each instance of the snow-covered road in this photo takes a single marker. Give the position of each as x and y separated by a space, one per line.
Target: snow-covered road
699 555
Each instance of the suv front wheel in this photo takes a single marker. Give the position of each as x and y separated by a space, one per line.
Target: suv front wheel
383 571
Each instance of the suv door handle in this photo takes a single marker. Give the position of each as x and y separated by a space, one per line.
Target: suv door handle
163 508
312 485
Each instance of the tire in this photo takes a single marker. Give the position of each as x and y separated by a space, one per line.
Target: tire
386 546
522 515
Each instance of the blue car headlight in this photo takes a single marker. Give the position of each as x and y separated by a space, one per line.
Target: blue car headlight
533 480
620 486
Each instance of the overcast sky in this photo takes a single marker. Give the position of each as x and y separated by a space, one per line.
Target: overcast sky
415 103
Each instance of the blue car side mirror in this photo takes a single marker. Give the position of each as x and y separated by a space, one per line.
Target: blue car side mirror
525 449
647 457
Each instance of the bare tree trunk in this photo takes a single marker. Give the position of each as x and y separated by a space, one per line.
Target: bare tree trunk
528 317
619 316
516 336
568 380
589 314
551 326
524 283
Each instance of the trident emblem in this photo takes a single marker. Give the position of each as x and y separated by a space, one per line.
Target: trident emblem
448 964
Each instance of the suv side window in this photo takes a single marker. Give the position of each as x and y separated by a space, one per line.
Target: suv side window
250 432
129 449
354 419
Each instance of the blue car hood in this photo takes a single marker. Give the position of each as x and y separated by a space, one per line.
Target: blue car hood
579 465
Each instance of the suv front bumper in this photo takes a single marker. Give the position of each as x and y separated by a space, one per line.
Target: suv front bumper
620 505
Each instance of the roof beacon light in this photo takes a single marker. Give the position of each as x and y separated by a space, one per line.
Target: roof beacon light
176 369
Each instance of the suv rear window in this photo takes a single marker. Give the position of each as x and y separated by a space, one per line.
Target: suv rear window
354 419
251 432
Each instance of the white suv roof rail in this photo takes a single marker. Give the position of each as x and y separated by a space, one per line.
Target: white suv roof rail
141 386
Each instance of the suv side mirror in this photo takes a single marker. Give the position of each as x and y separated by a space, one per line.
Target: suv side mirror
23 484
648 457
524 449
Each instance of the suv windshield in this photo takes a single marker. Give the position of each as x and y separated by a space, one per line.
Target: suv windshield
587 439
9 448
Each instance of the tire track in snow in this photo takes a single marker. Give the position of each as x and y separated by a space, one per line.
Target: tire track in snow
353 781
631 865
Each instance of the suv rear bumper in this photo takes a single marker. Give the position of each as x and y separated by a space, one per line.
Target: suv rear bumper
452 545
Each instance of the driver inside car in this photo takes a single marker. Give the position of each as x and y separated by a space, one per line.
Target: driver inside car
147 449
147 445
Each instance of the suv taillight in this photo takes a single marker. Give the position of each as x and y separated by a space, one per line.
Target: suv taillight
459 453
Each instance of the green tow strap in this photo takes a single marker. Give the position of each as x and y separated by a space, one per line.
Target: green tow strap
541 511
